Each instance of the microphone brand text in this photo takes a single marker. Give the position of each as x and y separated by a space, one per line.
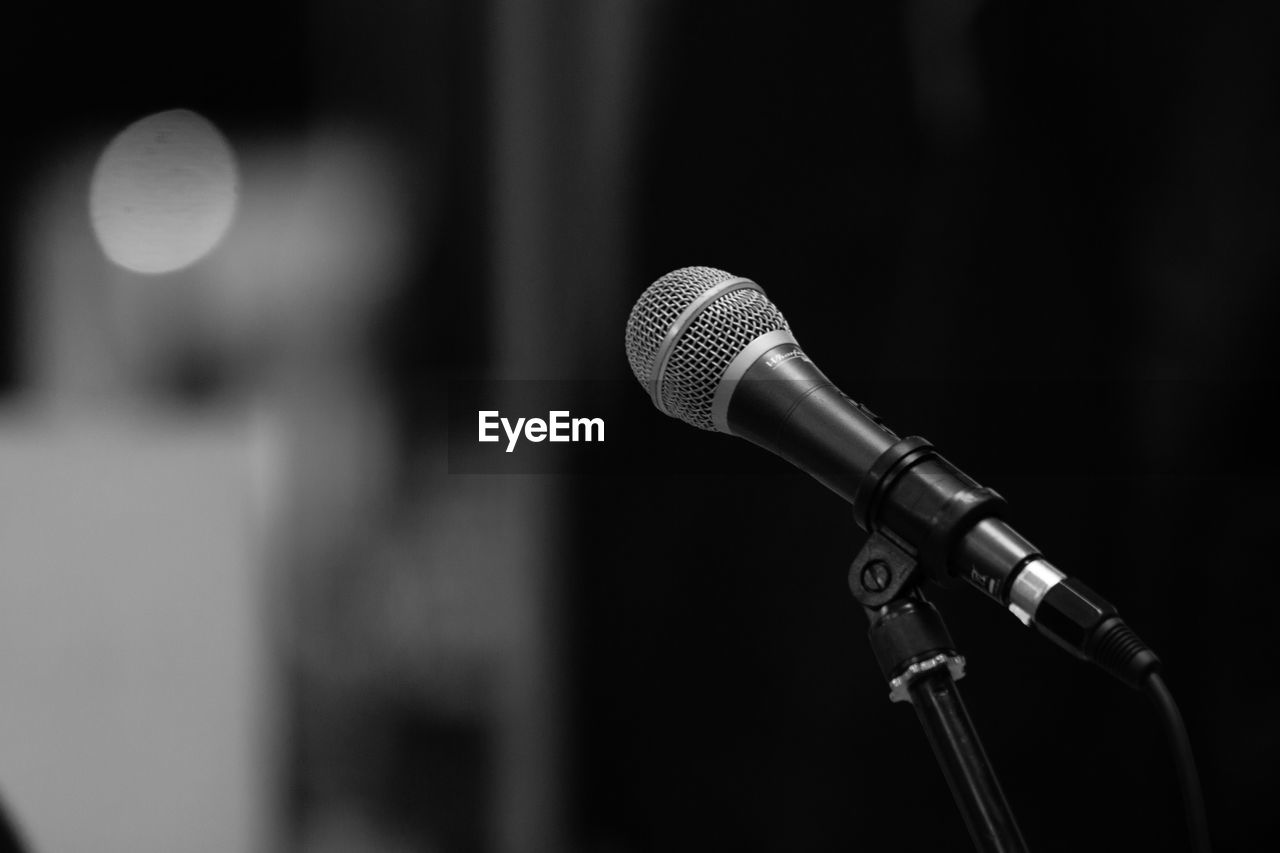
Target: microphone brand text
774 360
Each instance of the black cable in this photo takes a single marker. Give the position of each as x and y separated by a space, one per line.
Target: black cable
1188 778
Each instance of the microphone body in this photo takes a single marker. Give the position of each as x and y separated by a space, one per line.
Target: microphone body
785 404
727 361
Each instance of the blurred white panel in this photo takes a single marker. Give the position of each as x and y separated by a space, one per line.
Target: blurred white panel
133 656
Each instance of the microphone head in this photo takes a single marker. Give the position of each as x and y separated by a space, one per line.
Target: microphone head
684 332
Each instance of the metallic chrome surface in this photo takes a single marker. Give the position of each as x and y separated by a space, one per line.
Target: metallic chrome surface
739 366
901 684
1030 587
680 347
656 310
661 358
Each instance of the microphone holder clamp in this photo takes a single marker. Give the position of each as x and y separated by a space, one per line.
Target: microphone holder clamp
919 660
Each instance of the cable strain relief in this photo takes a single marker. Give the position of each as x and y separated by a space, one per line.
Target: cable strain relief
1117 649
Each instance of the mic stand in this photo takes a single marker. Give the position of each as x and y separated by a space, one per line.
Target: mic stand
919 659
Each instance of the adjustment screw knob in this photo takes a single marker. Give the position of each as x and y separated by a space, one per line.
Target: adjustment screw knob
875 576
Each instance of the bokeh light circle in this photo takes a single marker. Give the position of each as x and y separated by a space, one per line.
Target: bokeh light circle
164 192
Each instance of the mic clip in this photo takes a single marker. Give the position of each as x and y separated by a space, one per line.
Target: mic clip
883 570
907 635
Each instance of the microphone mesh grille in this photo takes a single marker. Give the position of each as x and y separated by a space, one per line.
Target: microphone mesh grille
657 309
705 348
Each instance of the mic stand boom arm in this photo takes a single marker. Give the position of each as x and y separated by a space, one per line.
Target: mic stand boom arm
920 661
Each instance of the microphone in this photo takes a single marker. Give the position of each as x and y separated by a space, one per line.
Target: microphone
711 349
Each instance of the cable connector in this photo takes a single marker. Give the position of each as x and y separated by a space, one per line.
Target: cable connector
1117 649
1087 625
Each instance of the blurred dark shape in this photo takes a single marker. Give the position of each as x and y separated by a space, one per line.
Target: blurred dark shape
970 196
944 69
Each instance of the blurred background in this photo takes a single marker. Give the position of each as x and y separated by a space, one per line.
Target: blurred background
246 604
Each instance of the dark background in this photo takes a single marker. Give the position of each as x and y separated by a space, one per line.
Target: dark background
1068 218
1059 222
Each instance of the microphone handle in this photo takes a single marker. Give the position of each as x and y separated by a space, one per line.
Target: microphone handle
906 491
901 488
785 404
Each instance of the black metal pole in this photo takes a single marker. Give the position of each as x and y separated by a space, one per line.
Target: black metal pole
919 659
964 763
